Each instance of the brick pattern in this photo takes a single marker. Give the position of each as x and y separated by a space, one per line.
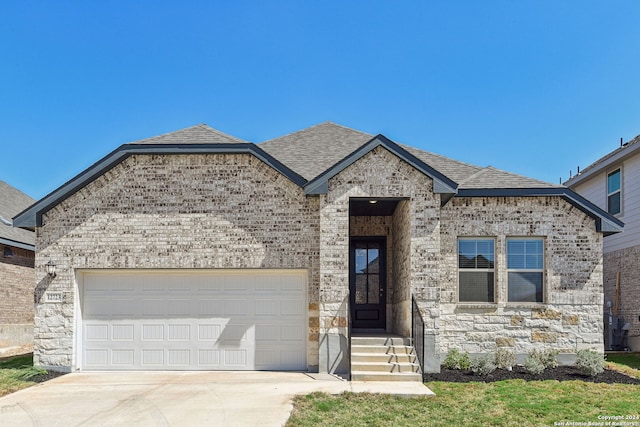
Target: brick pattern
177 211
16 286
570 318
625 262
415 241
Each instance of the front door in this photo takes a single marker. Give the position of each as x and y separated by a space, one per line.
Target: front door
367 284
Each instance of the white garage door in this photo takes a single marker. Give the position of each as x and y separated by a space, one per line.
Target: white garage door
193 320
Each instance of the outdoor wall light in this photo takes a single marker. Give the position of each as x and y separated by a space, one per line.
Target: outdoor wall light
373 202
51 268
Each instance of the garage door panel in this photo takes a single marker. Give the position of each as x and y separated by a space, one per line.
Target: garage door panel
239 320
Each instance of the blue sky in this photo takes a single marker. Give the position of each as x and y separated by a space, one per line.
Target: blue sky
532 87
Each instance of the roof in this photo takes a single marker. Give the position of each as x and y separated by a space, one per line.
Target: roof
312 156
198 134
621 153
311 151
13 201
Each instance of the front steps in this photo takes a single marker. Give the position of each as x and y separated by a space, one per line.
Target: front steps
383 358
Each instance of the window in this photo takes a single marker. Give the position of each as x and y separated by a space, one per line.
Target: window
475 264
614 205
525 269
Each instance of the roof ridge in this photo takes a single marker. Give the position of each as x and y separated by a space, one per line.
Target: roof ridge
327 122
199 127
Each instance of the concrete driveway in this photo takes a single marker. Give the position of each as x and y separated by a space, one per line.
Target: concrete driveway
175 398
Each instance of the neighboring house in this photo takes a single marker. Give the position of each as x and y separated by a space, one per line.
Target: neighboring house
613 183
17 276
197 250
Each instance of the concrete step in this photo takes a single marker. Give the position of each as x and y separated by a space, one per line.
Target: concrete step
384 367
381 340
383 358
385 376
395 349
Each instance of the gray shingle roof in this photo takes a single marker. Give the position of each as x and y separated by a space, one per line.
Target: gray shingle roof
199 134
491 177
12 202
313 150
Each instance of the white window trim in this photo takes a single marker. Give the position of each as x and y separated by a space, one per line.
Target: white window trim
619 190
527 270
477 270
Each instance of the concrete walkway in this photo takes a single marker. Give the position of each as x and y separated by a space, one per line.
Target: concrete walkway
176 398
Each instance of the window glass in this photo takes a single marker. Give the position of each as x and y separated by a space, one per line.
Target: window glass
614 205
525 267
476 274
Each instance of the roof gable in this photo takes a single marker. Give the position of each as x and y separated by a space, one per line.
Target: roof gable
441 183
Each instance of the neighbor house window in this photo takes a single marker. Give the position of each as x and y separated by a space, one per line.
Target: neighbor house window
525 269
614 202
475 270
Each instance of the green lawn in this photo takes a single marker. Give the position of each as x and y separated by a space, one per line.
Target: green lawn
502 403
18 373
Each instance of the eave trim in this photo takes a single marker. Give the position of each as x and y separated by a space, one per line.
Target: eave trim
441 183
605 222
32 216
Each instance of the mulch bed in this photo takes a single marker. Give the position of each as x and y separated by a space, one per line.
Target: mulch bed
561 373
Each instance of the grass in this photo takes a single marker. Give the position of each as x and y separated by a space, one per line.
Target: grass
628 363
18 373
502 403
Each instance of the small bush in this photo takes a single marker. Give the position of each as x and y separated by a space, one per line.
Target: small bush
533 365
483 365
457 360
505 358
549 358
590 362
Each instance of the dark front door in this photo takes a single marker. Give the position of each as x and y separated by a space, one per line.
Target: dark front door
367 284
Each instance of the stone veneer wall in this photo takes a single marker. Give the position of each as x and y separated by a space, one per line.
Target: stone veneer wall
571 317
17 279
627 263
173 211
378 174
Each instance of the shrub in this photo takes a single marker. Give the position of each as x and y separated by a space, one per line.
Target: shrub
590 362
549 358
505 358
533 364
483 365
457 360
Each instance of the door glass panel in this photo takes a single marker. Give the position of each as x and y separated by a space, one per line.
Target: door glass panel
374 289
361 260
361 288
374 260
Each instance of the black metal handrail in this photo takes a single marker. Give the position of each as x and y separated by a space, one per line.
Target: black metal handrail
417 332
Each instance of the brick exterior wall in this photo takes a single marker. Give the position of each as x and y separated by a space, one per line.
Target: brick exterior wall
17 279
173 211
570 318
378 174
626 262
233 211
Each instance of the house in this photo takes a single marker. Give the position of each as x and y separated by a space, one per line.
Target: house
198 250
613 184
17 275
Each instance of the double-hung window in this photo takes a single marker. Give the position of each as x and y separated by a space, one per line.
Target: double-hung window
525 269
476 270
614 193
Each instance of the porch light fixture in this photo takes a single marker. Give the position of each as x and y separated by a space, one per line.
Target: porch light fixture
373 202
51 268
